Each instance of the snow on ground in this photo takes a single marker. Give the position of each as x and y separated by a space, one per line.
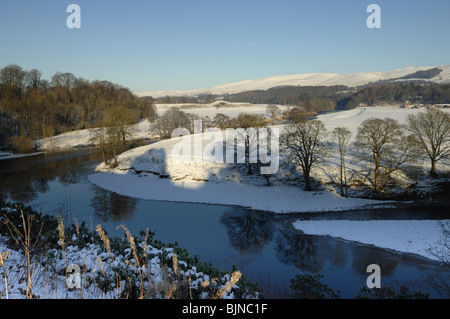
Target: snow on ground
408 236
352 119
50 282
153 172
278 199
231 109
80 138
142 130
97 265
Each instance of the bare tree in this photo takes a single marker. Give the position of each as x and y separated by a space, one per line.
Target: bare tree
296 114
172 119
342 136
221 121
305 147
12 76
122 119
383 144
33 78
246 125
274 111
431 130
99 138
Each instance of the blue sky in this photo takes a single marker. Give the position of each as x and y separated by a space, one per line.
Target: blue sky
189 44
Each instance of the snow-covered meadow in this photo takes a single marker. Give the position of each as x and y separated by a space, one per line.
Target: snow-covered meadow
143 130
231 109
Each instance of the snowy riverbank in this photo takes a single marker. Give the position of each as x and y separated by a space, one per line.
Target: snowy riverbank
150 172
153 172
419 237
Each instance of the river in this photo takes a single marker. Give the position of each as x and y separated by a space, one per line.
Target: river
262 245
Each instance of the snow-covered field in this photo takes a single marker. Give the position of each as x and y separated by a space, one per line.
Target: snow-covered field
408 236
80 138
142 130
231 109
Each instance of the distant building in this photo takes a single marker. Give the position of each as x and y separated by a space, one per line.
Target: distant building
405 105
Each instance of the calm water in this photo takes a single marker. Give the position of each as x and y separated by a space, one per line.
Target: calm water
263 246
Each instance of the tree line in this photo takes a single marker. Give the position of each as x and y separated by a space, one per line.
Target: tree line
381 146
397 93
32 107
339 97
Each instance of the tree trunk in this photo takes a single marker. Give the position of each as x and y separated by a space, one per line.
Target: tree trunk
249 171
342 177
433 168
377 186
104 157
345 181
307 181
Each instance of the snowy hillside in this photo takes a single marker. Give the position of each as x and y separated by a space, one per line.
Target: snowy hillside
152 172
80 138
227 108
308 79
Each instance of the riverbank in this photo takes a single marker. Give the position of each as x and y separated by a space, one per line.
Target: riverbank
425 238
154 172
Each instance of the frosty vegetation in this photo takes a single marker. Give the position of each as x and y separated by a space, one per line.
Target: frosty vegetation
36 251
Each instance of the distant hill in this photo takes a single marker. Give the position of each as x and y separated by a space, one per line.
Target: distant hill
435 74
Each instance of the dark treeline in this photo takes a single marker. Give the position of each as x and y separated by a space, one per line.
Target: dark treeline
313 98
32 107
397 93
320 98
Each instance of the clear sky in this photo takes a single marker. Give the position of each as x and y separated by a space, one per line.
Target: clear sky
190 44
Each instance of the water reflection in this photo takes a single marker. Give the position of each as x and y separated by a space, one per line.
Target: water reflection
366 257
23 179
247 231
263 243
301 251
109 206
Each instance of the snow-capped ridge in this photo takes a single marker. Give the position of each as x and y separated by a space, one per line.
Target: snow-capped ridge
307 79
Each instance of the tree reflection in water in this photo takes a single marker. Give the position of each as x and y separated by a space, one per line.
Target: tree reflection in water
109 206
299 250
248 231
23 179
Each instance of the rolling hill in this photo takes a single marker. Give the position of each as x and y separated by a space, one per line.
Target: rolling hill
318 79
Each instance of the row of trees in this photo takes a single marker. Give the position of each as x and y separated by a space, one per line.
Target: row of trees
383 146
323 98
34 107
175 118
311 97
430 93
